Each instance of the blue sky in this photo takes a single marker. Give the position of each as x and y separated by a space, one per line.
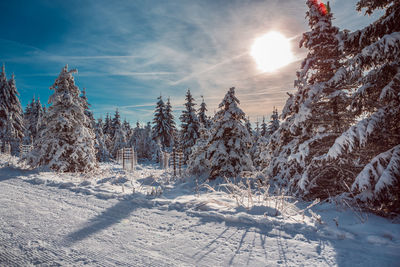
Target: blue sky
129 52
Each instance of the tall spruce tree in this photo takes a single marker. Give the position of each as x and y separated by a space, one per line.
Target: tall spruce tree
189 126
11 114
368 152
170 121
203 118
264 128
229 141
312 113
273 123
33 117
102 153
88 112
161 128
66 144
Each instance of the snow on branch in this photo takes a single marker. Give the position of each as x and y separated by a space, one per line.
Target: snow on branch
389 91
381 172
357 134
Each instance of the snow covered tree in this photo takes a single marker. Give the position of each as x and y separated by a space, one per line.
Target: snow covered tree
248 126
11 114
115 123
229 141
170 120
368 151
273 123
107 126
119 140
33 117
102 153
203 118
66 144
189 126
198 164
264 128
314 114
127 129
162 131
88 112
108 132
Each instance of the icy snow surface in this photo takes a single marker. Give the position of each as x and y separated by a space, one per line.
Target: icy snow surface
49 219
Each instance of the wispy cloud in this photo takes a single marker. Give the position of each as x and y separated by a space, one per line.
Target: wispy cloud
129 53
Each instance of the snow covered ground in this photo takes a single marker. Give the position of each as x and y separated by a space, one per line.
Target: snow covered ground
114 218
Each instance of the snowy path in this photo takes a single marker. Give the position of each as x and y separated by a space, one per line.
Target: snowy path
42 225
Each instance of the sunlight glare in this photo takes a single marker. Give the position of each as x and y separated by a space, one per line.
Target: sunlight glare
271 51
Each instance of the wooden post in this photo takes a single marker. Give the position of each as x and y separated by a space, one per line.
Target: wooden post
132 158
174 160
123 158
180 162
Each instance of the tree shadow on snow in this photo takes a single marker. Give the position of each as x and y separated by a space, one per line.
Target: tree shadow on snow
7 173
280 234
107 218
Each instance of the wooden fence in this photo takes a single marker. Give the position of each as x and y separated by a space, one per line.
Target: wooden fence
25 149
5 148
128 158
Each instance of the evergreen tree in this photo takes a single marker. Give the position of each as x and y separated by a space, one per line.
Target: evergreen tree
203 118
88 112
11 114
119 139
161 128
66 144
107 127
116 122
274 122
198 164
312 113
248 126
170 121
368 152
264 128
108 132
189 126
229 141
102 153
33 117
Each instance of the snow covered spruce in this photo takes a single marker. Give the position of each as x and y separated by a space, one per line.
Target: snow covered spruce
66 143
226 151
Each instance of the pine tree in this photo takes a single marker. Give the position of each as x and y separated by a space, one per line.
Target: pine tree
198 164
88 112
312 113
170 120
66 144
229 141
189 126
102 153
161 128
107 127
108 132
33 117
248 126
264 128
127 129
368 152
116 122
11 114
273 123
119 139
203 118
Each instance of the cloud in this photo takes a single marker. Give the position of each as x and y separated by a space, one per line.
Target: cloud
128 53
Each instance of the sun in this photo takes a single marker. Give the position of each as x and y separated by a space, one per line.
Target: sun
271 51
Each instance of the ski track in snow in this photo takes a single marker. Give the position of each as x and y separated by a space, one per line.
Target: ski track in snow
48 226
